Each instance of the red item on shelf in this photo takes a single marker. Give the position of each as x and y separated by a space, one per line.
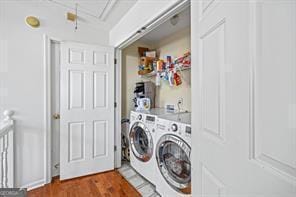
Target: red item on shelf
177 79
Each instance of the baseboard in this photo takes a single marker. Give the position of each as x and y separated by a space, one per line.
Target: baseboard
34 185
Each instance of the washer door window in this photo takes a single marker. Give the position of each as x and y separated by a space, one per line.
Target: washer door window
173 158
141 141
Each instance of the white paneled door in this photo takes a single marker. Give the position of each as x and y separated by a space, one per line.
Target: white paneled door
87 109
244 88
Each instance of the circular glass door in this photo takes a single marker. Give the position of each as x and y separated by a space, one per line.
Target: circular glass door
173 159
141 141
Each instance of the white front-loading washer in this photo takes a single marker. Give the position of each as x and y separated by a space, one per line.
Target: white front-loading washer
173 148
142 142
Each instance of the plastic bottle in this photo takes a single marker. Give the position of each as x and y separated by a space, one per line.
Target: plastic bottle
157 80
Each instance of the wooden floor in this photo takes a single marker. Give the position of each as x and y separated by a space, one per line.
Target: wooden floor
103 184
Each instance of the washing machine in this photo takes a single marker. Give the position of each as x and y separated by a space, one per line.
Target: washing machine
142 141
172 152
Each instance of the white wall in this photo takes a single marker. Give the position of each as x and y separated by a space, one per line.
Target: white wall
21 75
130 62
140 14
175 45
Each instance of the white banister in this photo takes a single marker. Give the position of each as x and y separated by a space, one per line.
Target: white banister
6 150
8 114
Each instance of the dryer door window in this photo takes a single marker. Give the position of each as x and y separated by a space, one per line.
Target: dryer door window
141 141
173 158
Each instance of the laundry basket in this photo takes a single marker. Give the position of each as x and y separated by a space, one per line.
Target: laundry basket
125 152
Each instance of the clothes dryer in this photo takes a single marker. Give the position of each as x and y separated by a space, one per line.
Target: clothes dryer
173 148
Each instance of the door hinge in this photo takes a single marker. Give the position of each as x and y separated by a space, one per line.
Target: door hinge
115 105
115 148
115 61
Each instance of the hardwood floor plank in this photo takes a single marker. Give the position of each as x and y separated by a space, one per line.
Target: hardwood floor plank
107 184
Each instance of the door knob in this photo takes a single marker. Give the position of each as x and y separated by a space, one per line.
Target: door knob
56 116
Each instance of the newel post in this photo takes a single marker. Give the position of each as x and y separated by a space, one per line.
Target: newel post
8 114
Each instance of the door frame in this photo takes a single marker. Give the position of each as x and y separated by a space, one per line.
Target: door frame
47 105
134 36
117 110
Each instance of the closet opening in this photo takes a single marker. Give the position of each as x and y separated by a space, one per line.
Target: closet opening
156 82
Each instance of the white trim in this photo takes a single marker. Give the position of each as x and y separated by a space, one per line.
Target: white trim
117 126
47 110
47 107
155 22
34 185
107 9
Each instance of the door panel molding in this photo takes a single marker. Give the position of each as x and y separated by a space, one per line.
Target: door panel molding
100 58
262 153
76 78
76 56
76 135
206 7
214 104
211 182
100 136
100 81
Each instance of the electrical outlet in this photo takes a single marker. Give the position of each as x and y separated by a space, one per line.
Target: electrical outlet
180 101
180 104
170 107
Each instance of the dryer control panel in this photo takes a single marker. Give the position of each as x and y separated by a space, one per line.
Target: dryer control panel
150 119
180 129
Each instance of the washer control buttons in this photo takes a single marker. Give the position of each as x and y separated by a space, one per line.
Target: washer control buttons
140 117
174 127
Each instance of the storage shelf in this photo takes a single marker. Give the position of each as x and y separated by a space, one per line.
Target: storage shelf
153 73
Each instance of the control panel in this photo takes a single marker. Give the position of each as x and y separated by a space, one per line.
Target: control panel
180 129
150 118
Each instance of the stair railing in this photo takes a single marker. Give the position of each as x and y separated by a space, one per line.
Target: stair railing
7 150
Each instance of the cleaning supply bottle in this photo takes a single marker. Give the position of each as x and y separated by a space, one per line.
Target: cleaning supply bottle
157 80
171 78
177 79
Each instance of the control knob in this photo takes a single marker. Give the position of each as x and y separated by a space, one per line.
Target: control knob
140 117
174 127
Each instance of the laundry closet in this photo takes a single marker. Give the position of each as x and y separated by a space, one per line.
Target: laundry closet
156 105
167 40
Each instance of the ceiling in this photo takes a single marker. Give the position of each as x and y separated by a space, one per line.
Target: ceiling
104 12
166 29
